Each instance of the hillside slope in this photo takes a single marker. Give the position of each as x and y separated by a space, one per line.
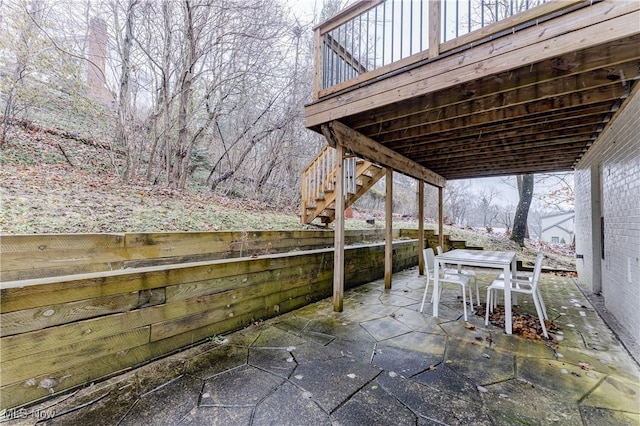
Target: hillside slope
51 184
54 184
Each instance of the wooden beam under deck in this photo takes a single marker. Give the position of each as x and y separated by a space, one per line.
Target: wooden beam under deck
604 60
510 106
367 148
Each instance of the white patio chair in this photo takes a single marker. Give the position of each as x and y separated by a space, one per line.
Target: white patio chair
468 272
528 276
444 278
522 286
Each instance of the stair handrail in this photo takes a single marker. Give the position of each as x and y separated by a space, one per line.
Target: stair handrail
318 177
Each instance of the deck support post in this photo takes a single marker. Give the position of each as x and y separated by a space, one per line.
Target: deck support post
338 245
440 218
388 237
420 226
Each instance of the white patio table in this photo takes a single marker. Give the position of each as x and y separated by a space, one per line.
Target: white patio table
505 260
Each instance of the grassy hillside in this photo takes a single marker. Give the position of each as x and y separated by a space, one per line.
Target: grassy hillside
55 184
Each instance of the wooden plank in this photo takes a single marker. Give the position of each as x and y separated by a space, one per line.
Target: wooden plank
517 158
47 316
348 13
27 294
35 364
531 143
218 285
254 300
25 344
448 137
595 59
557 37
144 250
533 14
388 250
20 393
218 308
194 336
488 171
338 260
633 97
64 252
429 153
503 106
44 243
370 149
545 138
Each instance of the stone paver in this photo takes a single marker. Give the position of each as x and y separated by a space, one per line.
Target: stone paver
379 362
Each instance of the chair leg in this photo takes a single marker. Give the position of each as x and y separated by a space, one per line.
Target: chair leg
544 308
424 296
540 315
475 282
464 302
486 315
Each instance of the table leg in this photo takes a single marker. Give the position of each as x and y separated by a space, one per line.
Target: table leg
436 287
507 300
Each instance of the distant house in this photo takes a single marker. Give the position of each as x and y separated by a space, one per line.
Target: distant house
557 227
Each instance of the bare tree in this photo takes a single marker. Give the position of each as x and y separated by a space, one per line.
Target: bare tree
487 209
519 232
456 202
124 113
505 218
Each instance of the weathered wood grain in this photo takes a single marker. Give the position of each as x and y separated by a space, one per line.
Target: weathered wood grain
45 385
27 257
47 316
32 365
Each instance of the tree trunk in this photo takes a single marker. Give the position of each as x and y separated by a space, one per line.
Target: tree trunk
124 98
522 211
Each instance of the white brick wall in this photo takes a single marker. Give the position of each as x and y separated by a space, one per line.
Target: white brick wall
617 152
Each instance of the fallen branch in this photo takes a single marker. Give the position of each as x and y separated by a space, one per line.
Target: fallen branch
65 155
29 125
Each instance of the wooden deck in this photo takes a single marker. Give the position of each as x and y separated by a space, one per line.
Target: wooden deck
528 94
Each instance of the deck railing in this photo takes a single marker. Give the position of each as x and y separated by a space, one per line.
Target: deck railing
383 35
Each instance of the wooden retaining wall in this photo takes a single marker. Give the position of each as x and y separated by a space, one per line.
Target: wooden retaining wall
37 256
47 255
59 332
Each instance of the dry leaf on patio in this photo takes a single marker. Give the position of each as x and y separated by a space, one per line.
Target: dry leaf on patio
585 366
469 326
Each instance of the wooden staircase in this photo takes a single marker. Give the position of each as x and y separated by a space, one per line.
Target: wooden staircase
318 184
